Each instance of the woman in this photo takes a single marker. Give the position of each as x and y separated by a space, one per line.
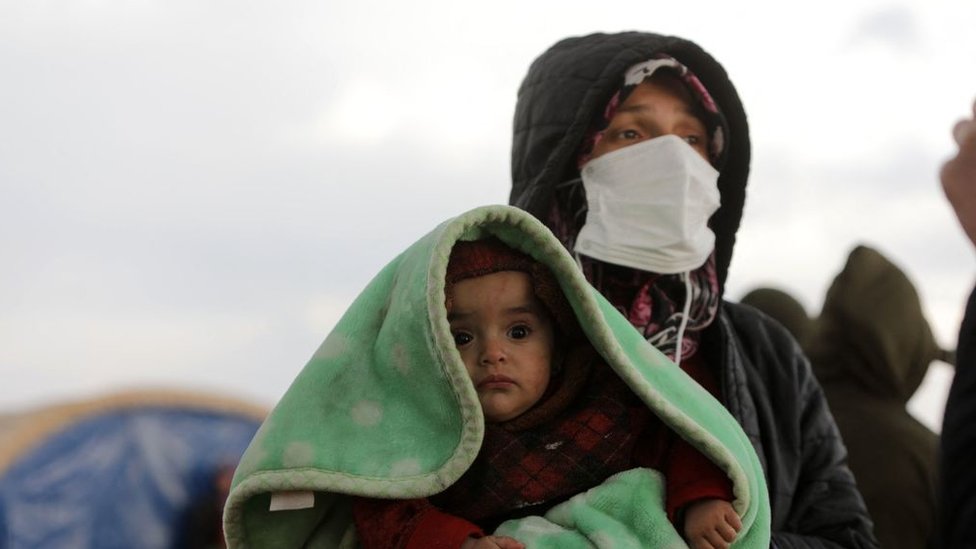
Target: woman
587 124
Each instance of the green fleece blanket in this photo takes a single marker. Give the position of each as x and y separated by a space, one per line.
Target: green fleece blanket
385 408
625 512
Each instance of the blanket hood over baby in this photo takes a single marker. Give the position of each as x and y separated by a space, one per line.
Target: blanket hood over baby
385 408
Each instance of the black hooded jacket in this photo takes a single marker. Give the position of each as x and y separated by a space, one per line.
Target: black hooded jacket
766 381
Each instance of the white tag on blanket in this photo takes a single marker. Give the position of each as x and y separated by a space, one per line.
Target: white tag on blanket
291 501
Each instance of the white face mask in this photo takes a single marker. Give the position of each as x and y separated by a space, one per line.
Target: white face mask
649 205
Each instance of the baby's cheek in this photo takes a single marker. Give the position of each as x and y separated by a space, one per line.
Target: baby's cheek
468 360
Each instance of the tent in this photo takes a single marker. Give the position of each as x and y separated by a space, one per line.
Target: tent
134 469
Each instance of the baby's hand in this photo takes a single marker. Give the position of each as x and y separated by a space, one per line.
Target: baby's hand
492 542
711 524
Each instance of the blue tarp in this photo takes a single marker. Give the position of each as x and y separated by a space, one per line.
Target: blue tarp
134 477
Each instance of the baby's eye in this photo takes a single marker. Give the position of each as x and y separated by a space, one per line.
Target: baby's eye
462 338
519 332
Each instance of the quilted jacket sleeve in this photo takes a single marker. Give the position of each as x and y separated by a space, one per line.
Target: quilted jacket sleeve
827 509
770 388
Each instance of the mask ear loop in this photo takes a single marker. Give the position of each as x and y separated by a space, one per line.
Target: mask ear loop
684 318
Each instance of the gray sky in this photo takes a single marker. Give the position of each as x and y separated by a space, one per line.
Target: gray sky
191 192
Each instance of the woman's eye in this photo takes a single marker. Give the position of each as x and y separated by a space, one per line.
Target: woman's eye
629 134
462 338
699 143
519 332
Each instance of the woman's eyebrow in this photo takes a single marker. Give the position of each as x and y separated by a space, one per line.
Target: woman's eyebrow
644 107
637 107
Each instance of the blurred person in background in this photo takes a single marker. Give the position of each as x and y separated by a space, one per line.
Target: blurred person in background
958 476
783 308
871 347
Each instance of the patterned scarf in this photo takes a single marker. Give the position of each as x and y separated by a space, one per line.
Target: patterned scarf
707 111
652 302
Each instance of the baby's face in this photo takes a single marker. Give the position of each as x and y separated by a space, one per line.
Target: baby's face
506 341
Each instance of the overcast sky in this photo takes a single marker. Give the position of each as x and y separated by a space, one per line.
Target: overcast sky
191 191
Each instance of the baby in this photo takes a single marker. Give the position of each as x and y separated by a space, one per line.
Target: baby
541 386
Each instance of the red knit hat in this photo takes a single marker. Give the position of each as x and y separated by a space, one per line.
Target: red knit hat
471 259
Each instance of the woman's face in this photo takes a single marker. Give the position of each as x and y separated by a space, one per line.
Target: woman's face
657 107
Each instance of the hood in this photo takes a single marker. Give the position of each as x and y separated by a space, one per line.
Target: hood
783 308
871 333
385 407
569 85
